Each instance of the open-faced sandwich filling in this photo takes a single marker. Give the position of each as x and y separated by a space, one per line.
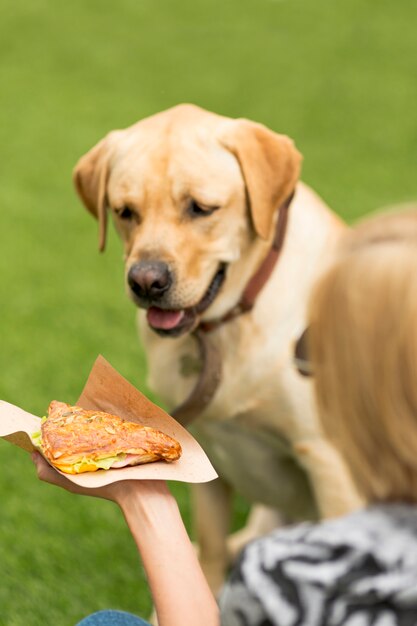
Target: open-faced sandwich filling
75 440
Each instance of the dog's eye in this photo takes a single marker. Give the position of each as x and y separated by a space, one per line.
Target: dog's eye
198 210
125 213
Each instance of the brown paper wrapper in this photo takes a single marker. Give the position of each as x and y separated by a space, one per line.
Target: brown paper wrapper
106 390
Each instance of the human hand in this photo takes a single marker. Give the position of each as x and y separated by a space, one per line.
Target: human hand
117 492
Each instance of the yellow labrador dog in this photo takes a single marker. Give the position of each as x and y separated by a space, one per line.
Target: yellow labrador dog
195 198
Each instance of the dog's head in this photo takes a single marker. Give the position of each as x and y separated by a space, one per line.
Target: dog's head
190 192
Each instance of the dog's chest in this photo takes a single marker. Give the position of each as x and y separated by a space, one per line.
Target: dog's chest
258 378
260 407
259 464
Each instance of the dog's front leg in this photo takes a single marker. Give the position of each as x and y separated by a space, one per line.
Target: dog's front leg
261 521
334 489
212 504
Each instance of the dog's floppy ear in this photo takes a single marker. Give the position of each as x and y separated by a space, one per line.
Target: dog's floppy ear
90 178
270 165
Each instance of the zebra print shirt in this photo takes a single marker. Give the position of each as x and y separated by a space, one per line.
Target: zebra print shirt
359 570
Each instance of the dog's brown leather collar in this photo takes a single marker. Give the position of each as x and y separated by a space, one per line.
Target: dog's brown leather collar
211 370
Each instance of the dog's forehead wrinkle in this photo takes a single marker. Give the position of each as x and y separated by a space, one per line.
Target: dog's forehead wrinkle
124 192
207 193
142 186
213 181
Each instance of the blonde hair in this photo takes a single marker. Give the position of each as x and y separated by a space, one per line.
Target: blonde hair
363 343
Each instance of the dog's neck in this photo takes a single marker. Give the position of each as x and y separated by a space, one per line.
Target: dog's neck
211 371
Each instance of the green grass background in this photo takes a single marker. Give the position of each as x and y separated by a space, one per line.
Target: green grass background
339 77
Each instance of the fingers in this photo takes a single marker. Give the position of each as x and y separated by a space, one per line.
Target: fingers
119 491
44 470
47 473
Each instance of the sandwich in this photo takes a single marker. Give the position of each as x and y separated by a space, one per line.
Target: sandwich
75 440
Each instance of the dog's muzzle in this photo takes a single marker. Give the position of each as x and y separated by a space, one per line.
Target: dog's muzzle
150 281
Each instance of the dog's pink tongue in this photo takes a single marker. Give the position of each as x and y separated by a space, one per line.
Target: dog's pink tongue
160 318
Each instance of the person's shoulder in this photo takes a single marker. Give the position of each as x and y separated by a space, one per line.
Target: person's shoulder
366 530
306 568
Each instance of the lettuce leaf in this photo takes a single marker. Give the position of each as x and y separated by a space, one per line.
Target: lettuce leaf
37 439
37 436
104 463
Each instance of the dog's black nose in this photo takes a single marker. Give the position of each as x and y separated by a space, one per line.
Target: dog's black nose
149 279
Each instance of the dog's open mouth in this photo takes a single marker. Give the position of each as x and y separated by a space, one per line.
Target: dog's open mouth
173 323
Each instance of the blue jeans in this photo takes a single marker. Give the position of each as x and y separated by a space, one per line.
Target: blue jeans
112 618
